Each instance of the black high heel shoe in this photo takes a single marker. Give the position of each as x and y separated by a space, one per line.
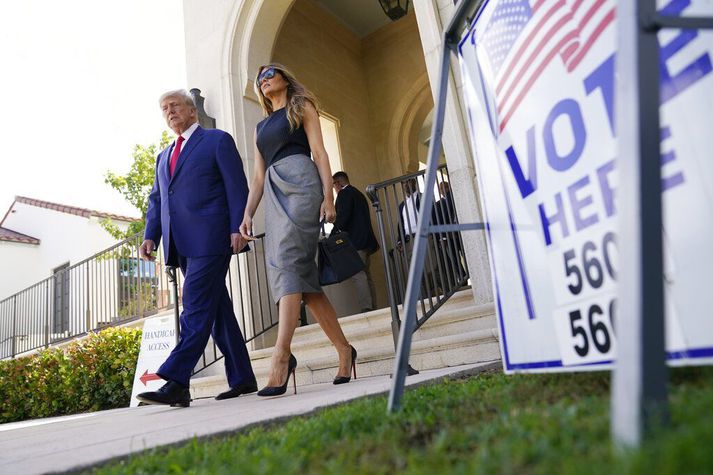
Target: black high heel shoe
279 390
346 379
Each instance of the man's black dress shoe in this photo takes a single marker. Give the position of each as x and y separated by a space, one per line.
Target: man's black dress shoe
171 393
237 391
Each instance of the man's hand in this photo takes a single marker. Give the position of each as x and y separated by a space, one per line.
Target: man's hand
147 247
237 242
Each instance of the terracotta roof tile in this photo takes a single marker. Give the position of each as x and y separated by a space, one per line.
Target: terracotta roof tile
12 236
84 212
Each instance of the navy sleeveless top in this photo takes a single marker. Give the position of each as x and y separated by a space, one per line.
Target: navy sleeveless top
275 141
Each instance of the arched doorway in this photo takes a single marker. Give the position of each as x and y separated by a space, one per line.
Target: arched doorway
371 81
361 67
406 133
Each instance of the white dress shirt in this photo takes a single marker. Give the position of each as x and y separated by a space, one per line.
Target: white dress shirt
409 214
187 135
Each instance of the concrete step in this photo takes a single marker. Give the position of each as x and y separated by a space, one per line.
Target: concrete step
368 325
425 354
465 348
378 334
458 333
308 332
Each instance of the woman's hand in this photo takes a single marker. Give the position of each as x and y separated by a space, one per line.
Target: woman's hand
246 228
327 211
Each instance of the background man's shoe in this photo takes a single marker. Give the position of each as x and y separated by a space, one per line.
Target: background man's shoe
237 391
171 393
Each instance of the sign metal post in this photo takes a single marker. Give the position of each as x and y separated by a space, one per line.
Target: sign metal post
639 393
639 396
401 367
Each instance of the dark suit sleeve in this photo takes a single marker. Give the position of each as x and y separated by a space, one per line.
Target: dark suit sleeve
344 207
153 211
402 228
236 184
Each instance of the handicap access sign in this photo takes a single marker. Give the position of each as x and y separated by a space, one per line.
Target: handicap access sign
157 341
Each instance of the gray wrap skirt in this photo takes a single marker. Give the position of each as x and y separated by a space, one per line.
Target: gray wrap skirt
292 199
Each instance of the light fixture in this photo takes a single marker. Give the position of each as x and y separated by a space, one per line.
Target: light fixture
394 9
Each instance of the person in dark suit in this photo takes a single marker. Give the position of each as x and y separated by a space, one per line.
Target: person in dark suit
408 211
450 247
353 218
196 206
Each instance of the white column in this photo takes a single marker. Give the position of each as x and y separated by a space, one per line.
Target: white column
431 15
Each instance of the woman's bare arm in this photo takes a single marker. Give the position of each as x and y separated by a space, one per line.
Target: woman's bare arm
255 195
310 121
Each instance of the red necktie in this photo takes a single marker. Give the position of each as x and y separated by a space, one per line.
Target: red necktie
176 152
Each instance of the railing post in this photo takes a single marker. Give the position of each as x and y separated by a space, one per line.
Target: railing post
173 278
395 320
87 289
303 314
139 269
421 242
48 330
14 325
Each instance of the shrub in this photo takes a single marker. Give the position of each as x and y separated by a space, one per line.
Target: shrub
91 374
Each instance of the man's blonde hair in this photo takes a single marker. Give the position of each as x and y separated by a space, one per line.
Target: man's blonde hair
181 94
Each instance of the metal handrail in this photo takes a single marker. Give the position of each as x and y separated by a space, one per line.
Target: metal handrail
464 10
115 287
394 181
446 269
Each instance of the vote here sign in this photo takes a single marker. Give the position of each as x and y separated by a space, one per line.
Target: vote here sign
539 86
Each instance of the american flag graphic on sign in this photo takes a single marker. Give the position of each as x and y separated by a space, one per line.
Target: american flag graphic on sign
523 37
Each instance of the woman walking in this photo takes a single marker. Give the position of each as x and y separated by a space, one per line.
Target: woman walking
298 195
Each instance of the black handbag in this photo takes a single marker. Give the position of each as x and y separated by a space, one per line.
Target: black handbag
337 258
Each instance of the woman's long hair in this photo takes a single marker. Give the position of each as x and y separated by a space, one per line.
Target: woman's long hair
297 96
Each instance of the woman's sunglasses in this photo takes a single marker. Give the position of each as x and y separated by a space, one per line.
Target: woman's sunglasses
269 73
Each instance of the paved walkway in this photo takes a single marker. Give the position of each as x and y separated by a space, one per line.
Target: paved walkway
66 443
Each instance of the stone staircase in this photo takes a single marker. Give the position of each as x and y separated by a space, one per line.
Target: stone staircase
459 333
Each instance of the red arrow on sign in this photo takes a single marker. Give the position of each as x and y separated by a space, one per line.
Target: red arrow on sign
146 377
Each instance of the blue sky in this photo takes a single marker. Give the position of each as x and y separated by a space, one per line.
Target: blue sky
80 82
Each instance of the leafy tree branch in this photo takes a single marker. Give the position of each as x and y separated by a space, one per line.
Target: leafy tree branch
135 185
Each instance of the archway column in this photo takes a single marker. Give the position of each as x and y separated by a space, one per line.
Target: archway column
431 15
224 46
410 113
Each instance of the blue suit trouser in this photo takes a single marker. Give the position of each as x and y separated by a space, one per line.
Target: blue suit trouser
207 310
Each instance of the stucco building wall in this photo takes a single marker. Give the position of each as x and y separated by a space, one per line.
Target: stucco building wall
399 95
433 17
18 268
327 58
379 87
64 238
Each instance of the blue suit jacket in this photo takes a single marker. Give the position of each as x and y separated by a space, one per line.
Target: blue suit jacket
205 199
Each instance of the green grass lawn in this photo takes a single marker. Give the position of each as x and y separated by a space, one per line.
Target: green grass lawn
533 424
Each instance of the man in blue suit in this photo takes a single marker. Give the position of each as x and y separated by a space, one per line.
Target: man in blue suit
196 206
